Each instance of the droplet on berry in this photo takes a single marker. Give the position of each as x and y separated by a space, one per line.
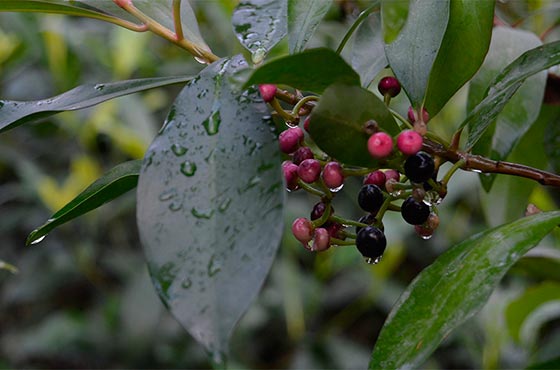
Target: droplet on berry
332 175
309 170
321 240
380 145
290 139
375 178
268 91
371 242
409 142
389 86
301 154
302 229
414 212
370 198
419 167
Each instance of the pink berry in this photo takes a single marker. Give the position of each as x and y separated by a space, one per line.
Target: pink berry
380 145
306 123
290 139
392 174
290 172
332 175
389 86
334 229
302 154
309 170
413 117
268 91
375 178
409 142
302 229
321 240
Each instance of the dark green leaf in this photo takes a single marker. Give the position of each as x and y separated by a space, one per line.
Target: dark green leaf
462 50
15 113
312 70
394 14
368 52
506 84
337 123
453 289
414 51
553 364
540 263
303 19
113 184
260 24
210 204
552 141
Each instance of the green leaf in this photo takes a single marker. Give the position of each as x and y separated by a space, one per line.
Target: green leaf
260 24
552 141
453 289
506 84
8 267
15 113
113 184
394 15
313 70
553 364
303 19
210 204
519 310
368 52
414 51
462 50
540 263
337 123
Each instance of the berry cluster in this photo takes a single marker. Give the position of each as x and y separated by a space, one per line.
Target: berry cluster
414 194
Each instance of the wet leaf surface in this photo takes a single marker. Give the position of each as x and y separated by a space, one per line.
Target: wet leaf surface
303 19
368 49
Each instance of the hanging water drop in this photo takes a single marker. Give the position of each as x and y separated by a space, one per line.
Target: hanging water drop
201 60
373 261
337 189
38 240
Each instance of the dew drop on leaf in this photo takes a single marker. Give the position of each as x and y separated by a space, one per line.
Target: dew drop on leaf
99 87
178 150
188 168
212 123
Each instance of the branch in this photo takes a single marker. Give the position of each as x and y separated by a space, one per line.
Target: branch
482 164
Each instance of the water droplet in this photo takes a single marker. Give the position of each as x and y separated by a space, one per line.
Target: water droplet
212 123
426 237
373 261
201 60
99 87
259 55
253 181
336 190
179 150
291 124
37 241
396 194
167 195
188 168
477 171
205 214
224 205
213 267
186 284
175 206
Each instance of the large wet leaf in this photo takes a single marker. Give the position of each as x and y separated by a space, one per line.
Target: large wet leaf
210 204
523 108
312 70
394 15
414 51
505 85
453 289
337 123
260 24
113 184
15 113
368 49
303 19
462 50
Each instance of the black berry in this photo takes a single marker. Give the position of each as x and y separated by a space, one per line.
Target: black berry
318 210
414 212
367 219
419 167
370 198
371 242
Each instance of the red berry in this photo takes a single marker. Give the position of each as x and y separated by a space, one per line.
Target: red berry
306 123
290 172
413 117
309 170
392 174
332 175
375 178
290 139
389 86
302 154
380 145
302 229
334 229
409 142
321 240
268 91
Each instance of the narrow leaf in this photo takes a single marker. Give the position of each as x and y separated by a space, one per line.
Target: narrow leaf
8 267
453 289
368 51
113 184
462 50
506 84
414 51
312 70
210 204
260 24
337 123
303 19
15 113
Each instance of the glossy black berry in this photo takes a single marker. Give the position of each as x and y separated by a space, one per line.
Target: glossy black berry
414 212
371 242
370 198
419 167
318 210
367 219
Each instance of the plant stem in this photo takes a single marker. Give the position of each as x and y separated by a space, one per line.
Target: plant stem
362 17
344 221
341 242
310 189
177 20
278 108
451 171
302 102
484 165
